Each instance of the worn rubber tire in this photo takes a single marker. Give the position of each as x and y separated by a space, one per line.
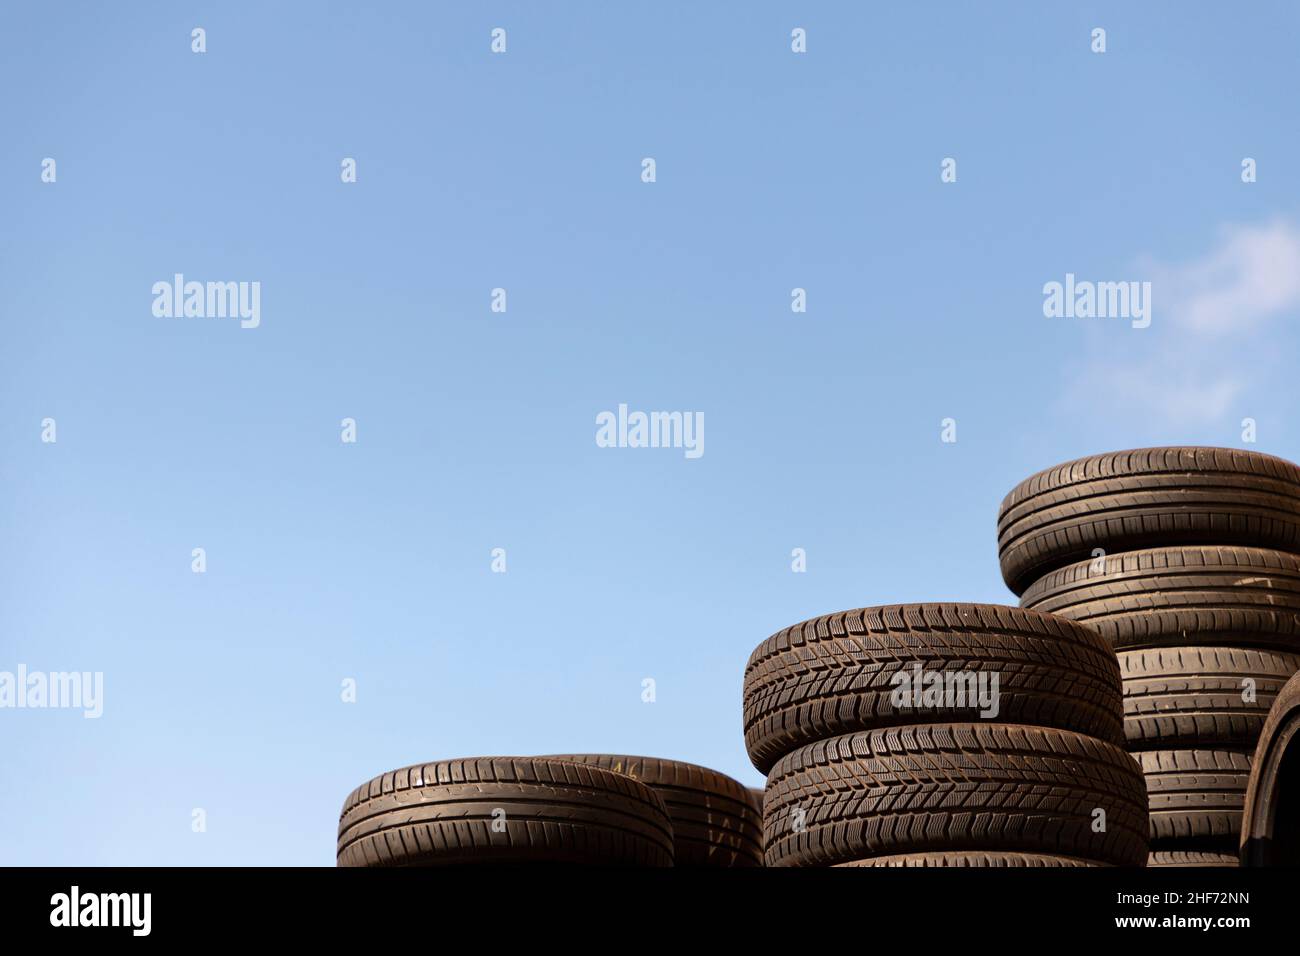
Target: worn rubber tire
716 821
972 860
1181 597
1190 696
1195 795
1270 826
833 675
1190 858
556 811
954 788
1147 497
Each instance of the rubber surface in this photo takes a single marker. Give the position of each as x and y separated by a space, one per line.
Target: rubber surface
1195 794
835 674
1189 696
972 860
1270 829
555 811
716 821
959 787
1143 498
1181 597
1190 858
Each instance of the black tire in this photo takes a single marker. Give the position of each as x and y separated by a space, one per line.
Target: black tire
1190 696
1147 497
1191 858
834 674
972 860
1197 596
1195 795
716 821
555 811
955 788
1270 826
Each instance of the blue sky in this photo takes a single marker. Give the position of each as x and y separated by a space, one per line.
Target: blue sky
371 561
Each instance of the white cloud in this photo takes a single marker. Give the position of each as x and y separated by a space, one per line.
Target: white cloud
1251 277
1190 371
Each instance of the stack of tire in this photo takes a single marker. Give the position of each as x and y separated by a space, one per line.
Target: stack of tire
574 809
1184 560
861 771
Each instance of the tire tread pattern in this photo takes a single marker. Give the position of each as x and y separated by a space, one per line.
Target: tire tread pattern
1195 795
972 860
556 811
1191 858
1187 696
833 674
1180 596
1130 500
954 788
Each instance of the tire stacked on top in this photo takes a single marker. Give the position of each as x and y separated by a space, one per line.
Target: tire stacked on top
1184 560
861 772
582 808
